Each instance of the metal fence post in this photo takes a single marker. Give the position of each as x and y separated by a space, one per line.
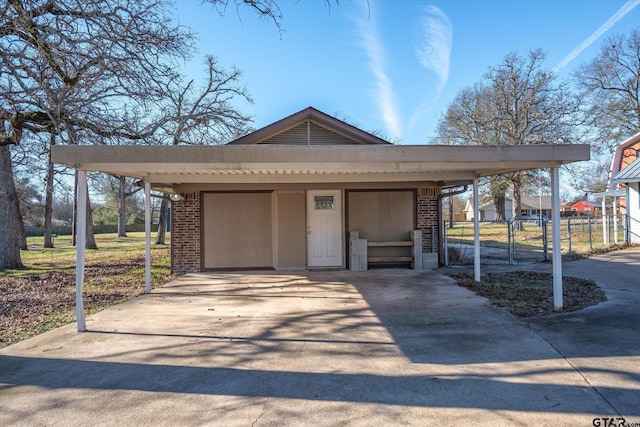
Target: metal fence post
509 240
545 239
569 231
590 235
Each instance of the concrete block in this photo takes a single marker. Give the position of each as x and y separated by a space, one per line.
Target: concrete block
358 255
416 237
429 260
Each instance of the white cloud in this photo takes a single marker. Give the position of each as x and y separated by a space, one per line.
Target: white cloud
435 39
383 93
626 8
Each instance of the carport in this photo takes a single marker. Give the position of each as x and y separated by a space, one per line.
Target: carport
165 168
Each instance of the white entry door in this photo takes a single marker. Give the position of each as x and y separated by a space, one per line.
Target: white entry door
324 228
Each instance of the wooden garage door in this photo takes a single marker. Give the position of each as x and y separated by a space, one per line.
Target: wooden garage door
237 230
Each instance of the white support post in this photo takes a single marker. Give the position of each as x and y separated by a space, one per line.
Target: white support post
476 232
147 237
81 237
614 215
605 225
555 235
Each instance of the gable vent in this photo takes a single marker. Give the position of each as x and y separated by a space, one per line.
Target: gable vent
309 133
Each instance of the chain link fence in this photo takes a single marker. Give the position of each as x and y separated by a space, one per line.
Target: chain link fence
530 240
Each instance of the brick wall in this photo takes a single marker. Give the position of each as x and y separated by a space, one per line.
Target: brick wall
185 234
428 217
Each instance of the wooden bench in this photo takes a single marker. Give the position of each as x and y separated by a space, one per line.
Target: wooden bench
389 259
359 251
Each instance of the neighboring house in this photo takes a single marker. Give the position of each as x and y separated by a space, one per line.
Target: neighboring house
625 154
624 182
584 207
630 178
530 206
287 196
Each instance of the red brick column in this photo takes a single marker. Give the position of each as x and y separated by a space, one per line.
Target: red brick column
185 234
428 216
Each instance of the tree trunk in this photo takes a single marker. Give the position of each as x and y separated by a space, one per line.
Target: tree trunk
517 194
122 208
499 188
10 214
517 199
498 206
90 242
23 233
162 222
48 204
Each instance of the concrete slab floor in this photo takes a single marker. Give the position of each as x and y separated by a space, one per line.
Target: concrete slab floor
382 347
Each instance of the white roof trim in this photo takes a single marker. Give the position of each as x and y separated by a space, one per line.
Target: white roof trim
348 163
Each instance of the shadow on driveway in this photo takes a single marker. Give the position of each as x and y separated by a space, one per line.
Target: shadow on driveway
322 348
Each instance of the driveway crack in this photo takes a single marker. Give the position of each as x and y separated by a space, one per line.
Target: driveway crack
259 416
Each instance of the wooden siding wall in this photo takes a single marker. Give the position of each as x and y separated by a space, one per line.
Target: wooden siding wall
237 230
382 216
290 245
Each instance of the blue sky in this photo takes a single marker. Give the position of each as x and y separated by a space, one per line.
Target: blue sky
393 66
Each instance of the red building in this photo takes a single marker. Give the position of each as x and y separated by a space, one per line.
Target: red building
584 207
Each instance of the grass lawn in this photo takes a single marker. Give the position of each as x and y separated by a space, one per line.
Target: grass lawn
42 296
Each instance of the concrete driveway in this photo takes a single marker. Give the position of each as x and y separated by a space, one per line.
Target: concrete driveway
383 347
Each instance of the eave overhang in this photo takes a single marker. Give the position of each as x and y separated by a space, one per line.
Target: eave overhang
172 165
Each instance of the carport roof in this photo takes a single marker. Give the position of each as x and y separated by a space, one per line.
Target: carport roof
165 166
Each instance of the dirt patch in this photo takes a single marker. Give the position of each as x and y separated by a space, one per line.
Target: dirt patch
34 304
530 294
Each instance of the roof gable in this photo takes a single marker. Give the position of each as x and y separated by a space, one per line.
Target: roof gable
623 156
629 174
310 127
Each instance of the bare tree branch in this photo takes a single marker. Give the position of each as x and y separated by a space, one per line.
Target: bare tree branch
610 83
516 103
